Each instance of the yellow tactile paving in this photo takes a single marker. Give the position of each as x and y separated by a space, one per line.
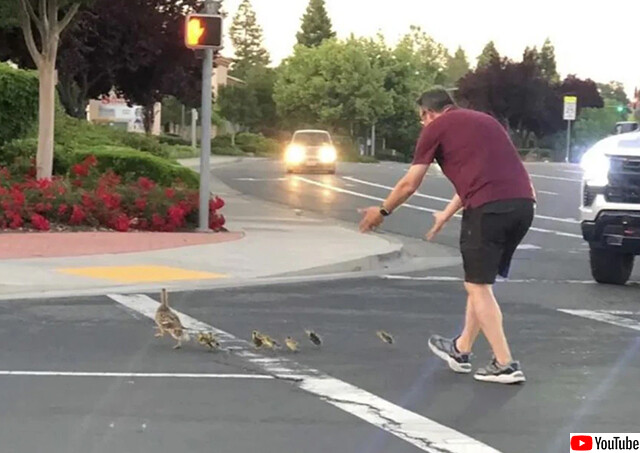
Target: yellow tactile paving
140 274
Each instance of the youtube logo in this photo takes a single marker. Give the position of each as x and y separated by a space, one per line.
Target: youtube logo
581 443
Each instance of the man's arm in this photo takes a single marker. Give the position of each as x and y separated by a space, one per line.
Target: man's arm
406 187
442 217
403 190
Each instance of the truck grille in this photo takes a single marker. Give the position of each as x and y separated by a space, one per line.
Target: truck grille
624 180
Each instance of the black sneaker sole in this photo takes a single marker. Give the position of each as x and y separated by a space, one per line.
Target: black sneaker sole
517 377
455 366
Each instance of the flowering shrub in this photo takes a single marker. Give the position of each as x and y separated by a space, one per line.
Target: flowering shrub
87 198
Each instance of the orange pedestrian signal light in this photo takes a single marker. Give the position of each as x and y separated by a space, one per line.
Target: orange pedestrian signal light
203 31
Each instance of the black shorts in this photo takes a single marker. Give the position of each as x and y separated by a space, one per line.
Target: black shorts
490 235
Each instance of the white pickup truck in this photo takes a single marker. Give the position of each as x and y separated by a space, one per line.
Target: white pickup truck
610 209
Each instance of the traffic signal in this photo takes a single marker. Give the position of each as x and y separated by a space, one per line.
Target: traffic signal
620 108
203 31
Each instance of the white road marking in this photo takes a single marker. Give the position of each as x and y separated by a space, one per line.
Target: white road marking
418 208
437 278
528 247
605 316
261 179
546 192
134 375
415 429
556 178
577 172
446 200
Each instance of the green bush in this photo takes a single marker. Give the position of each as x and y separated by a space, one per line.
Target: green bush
17 155
18 102
131 164
183 152
257 145
173 140
78 134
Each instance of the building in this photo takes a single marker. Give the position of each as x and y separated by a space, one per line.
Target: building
113 111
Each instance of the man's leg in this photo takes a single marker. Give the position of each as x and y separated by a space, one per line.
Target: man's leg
467 338
489 317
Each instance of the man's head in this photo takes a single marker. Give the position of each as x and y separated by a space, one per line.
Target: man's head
434 103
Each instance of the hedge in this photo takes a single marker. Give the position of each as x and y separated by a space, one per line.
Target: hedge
18 154
131 164
18 102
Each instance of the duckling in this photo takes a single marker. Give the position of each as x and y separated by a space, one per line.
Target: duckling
208 339
385 337
269 342
256 339
167 321
314 337
291 344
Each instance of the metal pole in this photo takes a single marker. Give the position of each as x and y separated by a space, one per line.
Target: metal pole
211 7
568 141
373 140
194 127
182 120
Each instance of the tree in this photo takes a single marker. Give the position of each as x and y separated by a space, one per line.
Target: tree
42 23
316 25
615 97
334 85
489 55
457 67
547 62
517 95
153 61
585 90
238 105
594 124
247 39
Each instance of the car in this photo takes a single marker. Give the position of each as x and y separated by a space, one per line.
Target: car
311 150
610 206
623 127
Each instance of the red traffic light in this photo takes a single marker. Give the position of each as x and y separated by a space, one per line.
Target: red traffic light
203 31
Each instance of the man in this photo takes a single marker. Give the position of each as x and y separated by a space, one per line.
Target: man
492 185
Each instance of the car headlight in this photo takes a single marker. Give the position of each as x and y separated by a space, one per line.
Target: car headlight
294 154
596 165
328 154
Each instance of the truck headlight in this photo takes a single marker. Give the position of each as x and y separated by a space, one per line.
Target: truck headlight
328 154
596 165
294 154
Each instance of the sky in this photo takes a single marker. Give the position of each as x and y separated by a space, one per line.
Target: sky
601 42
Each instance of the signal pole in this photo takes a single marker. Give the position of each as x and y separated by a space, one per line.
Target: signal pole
211 7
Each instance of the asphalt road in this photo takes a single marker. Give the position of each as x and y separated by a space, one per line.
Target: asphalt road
87 374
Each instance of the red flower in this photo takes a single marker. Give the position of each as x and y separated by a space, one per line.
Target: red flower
143 224
18 197
216 203
111 201
77 216
121 223
157 222
91 161
216 222
145 183
62 209
87 202
39 222
170 193
43 184
16 220
77 183
141 203
41 207
109 180
176 216
80 170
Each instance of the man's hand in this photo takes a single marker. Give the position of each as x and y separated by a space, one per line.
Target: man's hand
440 219
371 218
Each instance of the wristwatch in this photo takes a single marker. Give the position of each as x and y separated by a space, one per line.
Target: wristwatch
384 212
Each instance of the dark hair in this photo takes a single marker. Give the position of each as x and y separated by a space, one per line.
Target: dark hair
436 99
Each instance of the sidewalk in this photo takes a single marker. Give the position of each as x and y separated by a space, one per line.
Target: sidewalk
265 240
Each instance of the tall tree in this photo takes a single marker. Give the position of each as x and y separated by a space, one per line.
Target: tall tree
238 105
316 25
586 91
614 91
42 23
547 62
334 85
457 66
247 38
489 55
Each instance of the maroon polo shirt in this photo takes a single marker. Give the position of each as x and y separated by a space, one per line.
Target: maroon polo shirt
477 155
